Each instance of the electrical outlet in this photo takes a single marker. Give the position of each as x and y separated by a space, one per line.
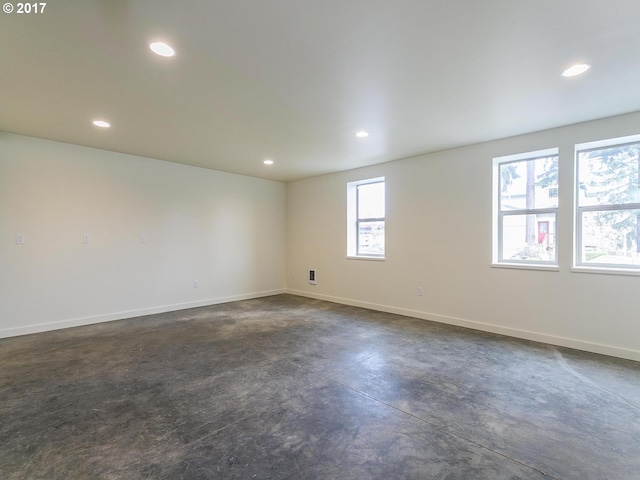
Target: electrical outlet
313 278
196 284
420 291
143 239
19 239
86 239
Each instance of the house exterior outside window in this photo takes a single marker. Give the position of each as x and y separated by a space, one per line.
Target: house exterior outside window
366 219
607 221
525 200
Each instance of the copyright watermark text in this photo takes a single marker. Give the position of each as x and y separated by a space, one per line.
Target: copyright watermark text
24 8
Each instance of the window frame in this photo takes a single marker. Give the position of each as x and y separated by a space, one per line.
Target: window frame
578 264
498 259
366 220
354 221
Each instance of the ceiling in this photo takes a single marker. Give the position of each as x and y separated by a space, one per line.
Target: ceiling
294 80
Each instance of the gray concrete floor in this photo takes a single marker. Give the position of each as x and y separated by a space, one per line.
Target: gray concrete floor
287 387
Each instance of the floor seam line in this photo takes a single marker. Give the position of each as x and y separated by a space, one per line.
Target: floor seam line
564 364
444 429
275 405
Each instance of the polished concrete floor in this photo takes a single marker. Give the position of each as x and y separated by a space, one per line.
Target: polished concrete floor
291 388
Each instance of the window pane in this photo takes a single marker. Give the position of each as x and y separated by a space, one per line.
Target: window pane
371 200
371 238
611 237
529 237
609 176
529 184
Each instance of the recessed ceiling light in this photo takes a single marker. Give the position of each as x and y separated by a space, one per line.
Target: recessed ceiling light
268 162
162 49
577 69
101 123
362 134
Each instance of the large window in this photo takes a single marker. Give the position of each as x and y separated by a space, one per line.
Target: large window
525 208
366 218
608 204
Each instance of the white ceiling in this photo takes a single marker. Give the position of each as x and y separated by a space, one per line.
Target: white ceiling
293 80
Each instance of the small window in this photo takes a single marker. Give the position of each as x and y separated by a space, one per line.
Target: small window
525 208
608 204
366 218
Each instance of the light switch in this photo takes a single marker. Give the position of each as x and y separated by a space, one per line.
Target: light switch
86 239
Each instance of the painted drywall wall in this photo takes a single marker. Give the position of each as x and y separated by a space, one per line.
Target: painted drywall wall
438 237
225 231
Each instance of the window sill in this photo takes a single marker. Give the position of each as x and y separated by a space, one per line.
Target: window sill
361 257
527 266
606 270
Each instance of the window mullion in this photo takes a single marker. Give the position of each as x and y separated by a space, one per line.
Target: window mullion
532 211
609 208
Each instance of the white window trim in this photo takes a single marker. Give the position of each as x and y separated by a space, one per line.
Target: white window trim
607 270
497 215
363 257
352 220
527 266
578 266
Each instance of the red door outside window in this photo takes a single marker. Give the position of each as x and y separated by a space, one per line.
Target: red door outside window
543 230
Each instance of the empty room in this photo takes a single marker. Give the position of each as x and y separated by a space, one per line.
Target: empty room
285 239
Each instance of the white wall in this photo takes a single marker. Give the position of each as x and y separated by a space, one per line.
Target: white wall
226 231
438 236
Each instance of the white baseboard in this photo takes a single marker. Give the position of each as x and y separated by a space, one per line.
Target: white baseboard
77 322
485 327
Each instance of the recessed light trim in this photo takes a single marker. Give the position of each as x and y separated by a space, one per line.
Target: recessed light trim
577 69
268 162
162 49
362 134
101 124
